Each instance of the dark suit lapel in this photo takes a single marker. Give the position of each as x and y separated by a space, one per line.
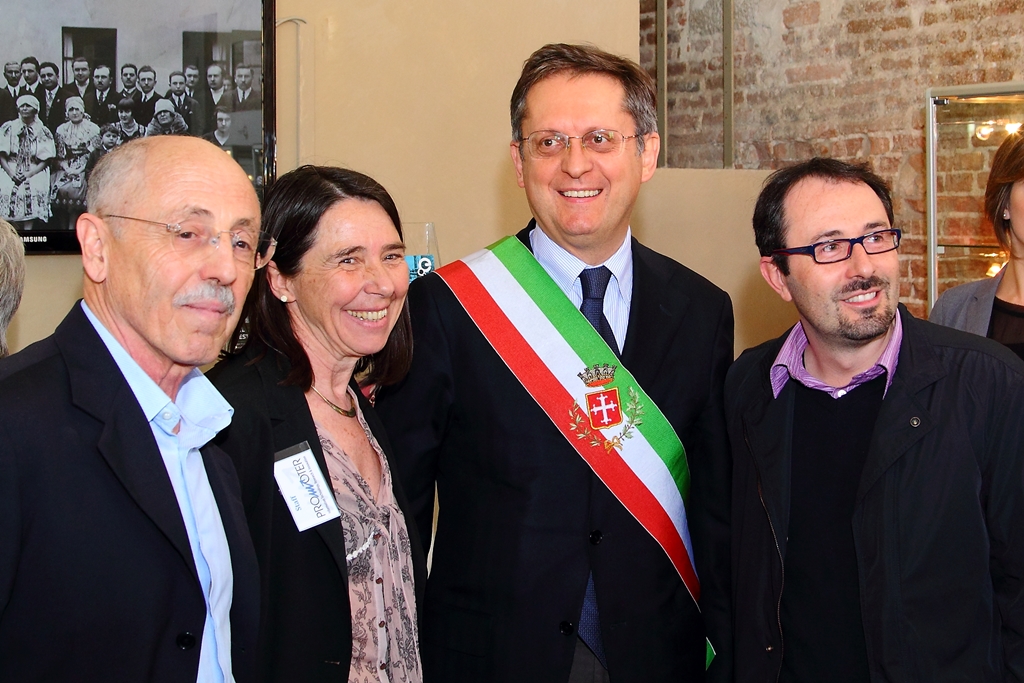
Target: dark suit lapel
126 441
656 311
292 424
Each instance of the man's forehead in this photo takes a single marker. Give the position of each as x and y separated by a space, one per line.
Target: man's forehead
592 95
817 208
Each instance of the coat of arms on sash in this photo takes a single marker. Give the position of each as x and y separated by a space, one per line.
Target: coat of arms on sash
604 409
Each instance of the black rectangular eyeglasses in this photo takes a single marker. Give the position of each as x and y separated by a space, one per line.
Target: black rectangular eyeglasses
833 251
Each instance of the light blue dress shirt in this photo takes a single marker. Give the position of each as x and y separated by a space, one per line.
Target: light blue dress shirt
198 413
565 269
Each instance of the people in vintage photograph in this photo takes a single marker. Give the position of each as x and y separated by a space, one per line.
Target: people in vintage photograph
101 104
51 100
46 190
26 149
166 121
341 599
127 127
185 105
222 133
246 98
76 139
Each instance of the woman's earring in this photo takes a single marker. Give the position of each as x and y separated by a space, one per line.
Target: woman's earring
1006 214
284 299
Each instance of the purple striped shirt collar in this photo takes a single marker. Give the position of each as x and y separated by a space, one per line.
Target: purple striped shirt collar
790 363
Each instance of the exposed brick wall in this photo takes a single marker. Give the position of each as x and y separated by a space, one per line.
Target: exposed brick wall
842 78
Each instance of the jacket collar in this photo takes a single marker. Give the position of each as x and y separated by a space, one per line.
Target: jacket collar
904 419
292 423
126 440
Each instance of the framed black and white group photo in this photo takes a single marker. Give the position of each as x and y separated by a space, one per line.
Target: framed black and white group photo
81 78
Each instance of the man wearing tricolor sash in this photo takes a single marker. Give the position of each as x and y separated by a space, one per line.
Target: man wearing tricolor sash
878 498
566 399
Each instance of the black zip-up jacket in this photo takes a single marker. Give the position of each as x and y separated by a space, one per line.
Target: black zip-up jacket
939 517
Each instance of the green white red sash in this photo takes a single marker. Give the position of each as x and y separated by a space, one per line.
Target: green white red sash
575 378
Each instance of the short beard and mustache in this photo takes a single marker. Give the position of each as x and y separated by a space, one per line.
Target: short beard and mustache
873 322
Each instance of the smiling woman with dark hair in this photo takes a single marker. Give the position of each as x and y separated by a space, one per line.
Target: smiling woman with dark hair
339 590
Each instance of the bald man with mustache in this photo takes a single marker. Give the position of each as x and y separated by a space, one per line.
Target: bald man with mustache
124 553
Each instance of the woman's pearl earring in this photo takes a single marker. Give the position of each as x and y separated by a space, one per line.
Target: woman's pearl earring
284 299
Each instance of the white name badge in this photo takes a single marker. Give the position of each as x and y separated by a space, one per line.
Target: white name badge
305 491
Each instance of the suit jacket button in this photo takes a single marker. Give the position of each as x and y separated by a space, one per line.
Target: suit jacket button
565 628
595 537
186 641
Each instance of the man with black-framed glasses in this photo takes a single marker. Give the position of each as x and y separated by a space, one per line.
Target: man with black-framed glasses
124 552
877 459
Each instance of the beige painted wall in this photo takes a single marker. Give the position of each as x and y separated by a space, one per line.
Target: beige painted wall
52 285
416 94
702 218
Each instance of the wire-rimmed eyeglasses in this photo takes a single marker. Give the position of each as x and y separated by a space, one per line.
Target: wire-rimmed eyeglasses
833 251
545 144
191 239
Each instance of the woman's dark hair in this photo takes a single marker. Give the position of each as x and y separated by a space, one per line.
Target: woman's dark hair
295 203
1007 170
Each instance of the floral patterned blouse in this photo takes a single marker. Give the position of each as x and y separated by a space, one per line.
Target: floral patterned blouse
385 644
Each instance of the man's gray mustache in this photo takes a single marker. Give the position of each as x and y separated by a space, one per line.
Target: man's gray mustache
208 292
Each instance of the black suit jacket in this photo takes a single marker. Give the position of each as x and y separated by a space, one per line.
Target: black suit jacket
191 111
306 632
97 579
54 115
523 520
144 109
71 90
8 106
102 109
253 102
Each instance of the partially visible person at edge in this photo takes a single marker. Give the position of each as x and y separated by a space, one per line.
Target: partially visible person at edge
994 307
12 278
339 599
877 462
548 561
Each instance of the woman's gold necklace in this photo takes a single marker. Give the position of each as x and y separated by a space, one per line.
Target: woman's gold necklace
351 412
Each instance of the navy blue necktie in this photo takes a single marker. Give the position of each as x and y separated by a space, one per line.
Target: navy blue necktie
594 282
